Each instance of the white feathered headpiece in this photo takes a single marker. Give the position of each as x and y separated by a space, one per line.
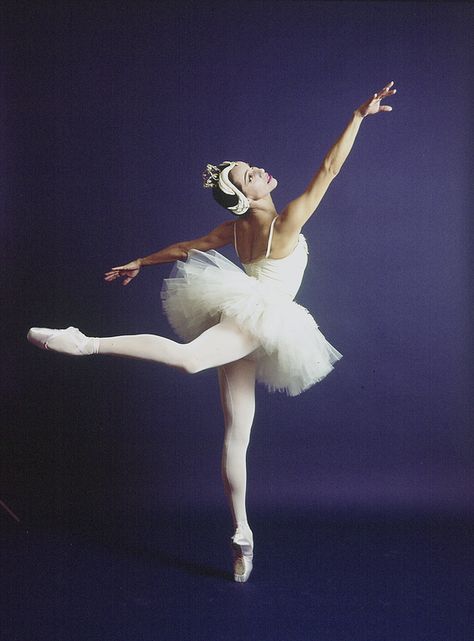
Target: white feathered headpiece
215 177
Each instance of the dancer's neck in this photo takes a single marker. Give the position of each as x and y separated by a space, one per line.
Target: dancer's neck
263 209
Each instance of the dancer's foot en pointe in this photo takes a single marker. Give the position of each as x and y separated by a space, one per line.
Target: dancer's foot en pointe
67 341
242 548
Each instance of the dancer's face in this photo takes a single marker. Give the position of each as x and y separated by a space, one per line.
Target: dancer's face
254 182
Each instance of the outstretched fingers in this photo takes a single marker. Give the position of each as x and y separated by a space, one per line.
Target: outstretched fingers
386 91
116 273
112 275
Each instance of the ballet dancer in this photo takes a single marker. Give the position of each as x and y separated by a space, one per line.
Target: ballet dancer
244 322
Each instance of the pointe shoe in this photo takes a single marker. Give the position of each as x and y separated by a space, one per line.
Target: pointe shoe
67 341
242 549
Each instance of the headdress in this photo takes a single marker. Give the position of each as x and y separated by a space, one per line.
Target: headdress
217 177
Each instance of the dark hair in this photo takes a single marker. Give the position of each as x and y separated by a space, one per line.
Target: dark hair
225 200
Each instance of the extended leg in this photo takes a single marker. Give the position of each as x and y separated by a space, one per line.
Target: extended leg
222 343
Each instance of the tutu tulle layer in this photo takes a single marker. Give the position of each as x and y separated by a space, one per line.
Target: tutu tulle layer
293 353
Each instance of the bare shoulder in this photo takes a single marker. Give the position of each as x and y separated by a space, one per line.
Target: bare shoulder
223 232
285 237
221 235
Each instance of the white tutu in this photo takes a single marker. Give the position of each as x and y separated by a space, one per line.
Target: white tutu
293 353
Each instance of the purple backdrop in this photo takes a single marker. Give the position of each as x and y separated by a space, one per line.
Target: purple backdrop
109 113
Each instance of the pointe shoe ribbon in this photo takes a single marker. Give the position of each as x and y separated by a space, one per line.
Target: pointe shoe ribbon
240 539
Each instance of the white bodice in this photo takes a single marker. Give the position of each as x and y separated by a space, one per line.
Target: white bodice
286 273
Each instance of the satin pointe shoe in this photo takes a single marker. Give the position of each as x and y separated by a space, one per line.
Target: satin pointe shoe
242 549
66 341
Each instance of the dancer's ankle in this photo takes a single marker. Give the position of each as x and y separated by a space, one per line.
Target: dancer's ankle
243 528
95 345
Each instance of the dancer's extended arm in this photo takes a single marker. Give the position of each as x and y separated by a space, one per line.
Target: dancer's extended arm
218 237
299 210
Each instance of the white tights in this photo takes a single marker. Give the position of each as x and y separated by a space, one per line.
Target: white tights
237 386
224 346
221 344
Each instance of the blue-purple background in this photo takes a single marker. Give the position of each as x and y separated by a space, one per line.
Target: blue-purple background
109 113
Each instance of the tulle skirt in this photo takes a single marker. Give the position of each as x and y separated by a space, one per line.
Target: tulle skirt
293 353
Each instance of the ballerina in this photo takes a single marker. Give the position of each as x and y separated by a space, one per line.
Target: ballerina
244 322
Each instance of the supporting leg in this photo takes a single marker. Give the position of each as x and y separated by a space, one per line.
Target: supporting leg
237 385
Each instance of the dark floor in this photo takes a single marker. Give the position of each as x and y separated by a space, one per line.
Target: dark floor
317 577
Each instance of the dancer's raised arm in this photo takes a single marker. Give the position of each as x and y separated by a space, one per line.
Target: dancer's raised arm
218 237
299 210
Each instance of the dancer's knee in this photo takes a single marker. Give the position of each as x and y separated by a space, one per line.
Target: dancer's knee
190 363
191 367
237 439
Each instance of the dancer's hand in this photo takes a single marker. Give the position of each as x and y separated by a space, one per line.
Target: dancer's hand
373 106
127 272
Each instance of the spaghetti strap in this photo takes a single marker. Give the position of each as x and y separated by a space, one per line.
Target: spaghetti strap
235 239
270 237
